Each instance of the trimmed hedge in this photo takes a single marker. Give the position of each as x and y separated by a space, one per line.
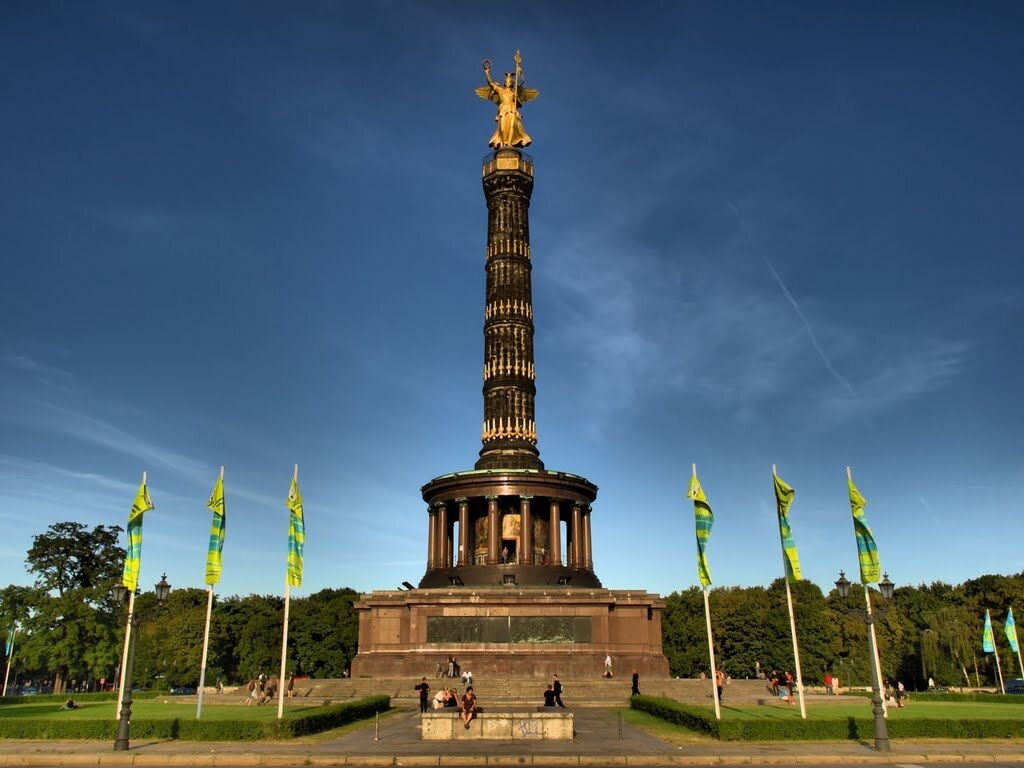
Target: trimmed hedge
858 728
291 726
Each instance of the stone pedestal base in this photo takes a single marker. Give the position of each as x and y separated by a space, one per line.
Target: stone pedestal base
509 632
446 725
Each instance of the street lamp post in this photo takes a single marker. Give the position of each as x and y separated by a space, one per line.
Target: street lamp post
120 593
887 588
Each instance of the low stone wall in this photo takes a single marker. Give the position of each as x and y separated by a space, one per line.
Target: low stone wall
446 725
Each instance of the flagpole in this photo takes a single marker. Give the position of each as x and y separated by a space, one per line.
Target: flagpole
711 653
10 656
284 639
127 637
206 638
711 644
999 668
875 656
792 629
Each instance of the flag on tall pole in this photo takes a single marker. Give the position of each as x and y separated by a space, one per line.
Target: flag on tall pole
293 578
988 644
867 551
791 563
296 533
214 562
1010 627
133 557
870 571
214 567
130 576
704 520
1011 632
783 498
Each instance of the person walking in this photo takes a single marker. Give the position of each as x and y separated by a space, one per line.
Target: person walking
720 682
424 688
556 685
636 684
608 665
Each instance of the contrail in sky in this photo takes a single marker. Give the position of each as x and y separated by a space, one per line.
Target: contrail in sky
810 331
799 312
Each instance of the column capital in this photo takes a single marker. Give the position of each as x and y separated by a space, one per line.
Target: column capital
524 497
462 500
491 498
439 504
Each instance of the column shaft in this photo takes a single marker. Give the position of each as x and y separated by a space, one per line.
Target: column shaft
431 544
588 556
555 533
444 538
577 538
525 531
492 530
464 558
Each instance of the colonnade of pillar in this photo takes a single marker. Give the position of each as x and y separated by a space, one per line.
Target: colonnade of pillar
443 551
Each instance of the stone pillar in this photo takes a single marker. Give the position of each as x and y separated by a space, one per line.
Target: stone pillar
577 535
444 538
464 556
555 534
440 518
431 544
492 530
525 531
588 553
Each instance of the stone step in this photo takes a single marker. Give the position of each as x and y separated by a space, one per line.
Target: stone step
593 692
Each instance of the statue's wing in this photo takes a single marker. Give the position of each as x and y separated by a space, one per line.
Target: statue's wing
487 93
527 94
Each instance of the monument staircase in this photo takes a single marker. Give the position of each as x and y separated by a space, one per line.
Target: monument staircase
528 691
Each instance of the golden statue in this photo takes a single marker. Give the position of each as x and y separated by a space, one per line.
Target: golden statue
509 97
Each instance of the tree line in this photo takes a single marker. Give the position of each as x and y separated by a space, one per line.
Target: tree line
926 631
71 629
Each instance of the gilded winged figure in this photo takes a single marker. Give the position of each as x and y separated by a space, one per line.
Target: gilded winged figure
509 96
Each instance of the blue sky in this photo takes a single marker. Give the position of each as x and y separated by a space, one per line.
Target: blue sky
252 234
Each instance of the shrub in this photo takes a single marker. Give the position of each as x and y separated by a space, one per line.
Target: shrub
860 728
293 725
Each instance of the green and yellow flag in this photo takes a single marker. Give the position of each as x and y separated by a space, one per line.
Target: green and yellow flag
867 552
704 519
783 498
1010 627
214 563
988 643
296 535
133 556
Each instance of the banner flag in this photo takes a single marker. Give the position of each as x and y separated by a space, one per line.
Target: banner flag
783 498
704 519
296 535
214 563
133 556
988 644
1011 632
867 551
10 642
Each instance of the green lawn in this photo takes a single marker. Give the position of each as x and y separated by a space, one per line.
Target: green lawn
147 709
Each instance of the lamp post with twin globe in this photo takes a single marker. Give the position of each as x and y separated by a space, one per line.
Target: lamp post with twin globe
120 593
887 588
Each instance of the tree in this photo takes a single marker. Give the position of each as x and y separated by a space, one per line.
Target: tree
71 627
